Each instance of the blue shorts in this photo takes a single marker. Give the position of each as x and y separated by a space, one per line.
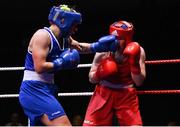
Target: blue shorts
38 98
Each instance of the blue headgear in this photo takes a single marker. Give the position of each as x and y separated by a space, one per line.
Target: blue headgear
64 18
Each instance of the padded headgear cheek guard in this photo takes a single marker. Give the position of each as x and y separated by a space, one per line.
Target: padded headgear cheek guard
64 19
122 30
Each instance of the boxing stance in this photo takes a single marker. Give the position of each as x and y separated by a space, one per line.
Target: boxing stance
52 49
115 74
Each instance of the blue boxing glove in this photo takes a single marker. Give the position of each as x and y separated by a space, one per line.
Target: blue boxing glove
105 44
69 59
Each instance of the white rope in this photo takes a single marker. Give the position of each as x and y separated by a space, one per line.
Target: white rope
76 94
11 68
84 65
9 95
89 65
22 68
59 94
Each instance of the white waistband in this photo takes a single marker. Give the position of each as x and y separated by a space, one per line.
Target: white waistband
44 77
114 86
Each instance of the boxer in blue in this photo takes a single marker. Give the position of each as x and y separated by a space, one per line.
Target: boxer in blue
52 49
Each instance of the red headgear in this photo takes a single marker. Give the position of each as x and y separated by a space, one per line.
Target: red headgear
122 30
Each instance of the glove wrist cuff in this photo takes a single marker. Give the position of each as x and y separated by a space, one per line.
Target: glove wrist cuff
58 64
92 47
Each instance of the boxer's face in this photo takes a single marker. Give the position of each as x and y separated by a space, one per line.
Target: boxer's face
122 44
74 29
119 57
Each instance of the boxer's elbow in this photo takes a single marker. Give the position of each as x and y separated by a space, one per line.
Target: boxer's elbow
138 79
92 78
41 68
139 82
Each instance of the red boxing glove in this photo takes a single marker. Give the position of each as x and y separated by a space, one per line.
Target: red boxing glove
132 50
106 68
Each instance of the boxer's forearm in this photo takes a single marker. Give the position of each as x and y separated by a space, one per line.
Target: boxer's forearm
85 48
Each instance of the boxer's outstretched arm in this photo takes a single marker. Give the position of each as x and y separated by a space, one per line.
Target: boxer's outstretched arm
104 44
82 47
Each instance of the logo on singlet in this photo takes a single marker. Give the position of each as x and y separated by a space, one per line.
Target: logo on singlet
55 113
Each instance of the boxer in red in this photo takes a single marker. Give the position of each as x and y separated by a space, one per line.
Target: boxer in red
115 74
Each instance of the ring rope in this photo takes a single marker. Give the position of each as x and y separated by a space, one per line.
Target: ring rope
22 68
11 68
159 92
173 61
152 92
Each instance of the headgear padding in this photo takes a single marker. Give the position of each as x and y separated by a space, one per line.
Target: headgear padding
64 18
122 30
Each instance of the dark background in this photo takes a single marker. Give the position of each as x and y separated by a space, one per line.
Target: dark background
156 29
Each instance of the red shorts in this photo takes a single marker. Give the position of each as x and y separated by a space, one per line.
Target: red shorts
106 102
